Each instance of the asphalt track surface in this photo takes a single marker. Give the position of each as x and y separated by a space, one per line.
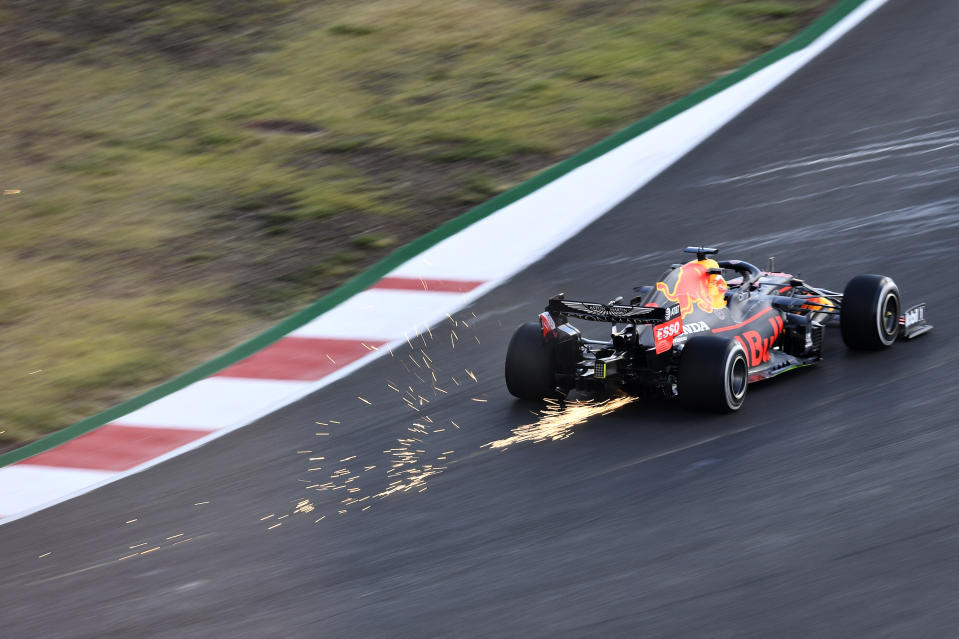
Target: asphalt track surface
826 507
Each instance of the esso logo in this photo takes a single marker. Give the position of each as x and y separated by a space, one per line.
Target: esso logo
665 331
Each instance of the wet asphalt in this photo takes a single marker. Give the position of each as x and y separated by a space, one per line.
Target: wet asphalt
828 506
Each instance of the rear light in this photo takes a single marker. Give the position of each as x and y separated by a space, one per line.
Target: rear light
548 325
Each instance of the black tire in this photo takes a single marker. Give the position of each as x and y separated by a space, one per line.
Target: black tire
713 374
529 364
869 316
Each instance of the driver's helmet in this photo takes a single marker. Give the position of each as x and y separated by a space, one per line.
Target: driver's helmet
716 286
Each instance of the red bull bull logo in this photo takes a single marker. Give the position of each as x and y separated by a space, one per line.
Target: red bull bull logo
756 346
696 287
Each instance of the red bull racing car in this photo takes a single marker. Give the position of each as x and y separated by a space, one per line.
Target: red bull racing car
701 338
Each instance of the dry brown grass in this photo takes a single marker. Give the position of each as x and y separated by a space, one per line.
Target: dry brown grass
159 221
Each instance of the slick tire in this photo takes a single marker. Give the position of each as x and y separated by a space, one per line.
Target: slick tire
529 364
869 316
713 374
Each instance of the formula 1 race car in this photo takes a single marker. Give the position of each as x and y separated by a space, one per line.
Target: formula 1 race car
702 339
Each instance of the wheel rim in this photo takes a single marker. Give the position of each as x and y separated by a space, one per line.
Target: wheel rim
737 377
889 318
737 380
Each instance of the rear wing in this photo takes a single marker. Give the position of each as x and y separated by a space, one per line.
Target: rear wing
560 309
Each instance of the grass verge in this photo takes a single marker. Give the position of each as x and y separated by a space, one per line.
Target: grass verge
165 201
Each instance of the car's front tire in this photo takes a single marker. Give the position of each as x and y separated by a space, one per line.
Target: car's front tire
530 368
713 374
869 316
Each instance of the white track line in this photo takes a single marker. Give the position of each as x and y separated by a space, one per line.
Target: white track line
491 250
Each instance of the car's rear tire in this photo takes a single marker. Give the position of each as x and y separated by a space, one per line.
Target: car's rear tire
869 316
530 369
713 374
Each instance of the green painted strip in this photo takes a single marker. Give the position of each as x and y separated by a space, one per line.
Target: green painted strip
366 279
